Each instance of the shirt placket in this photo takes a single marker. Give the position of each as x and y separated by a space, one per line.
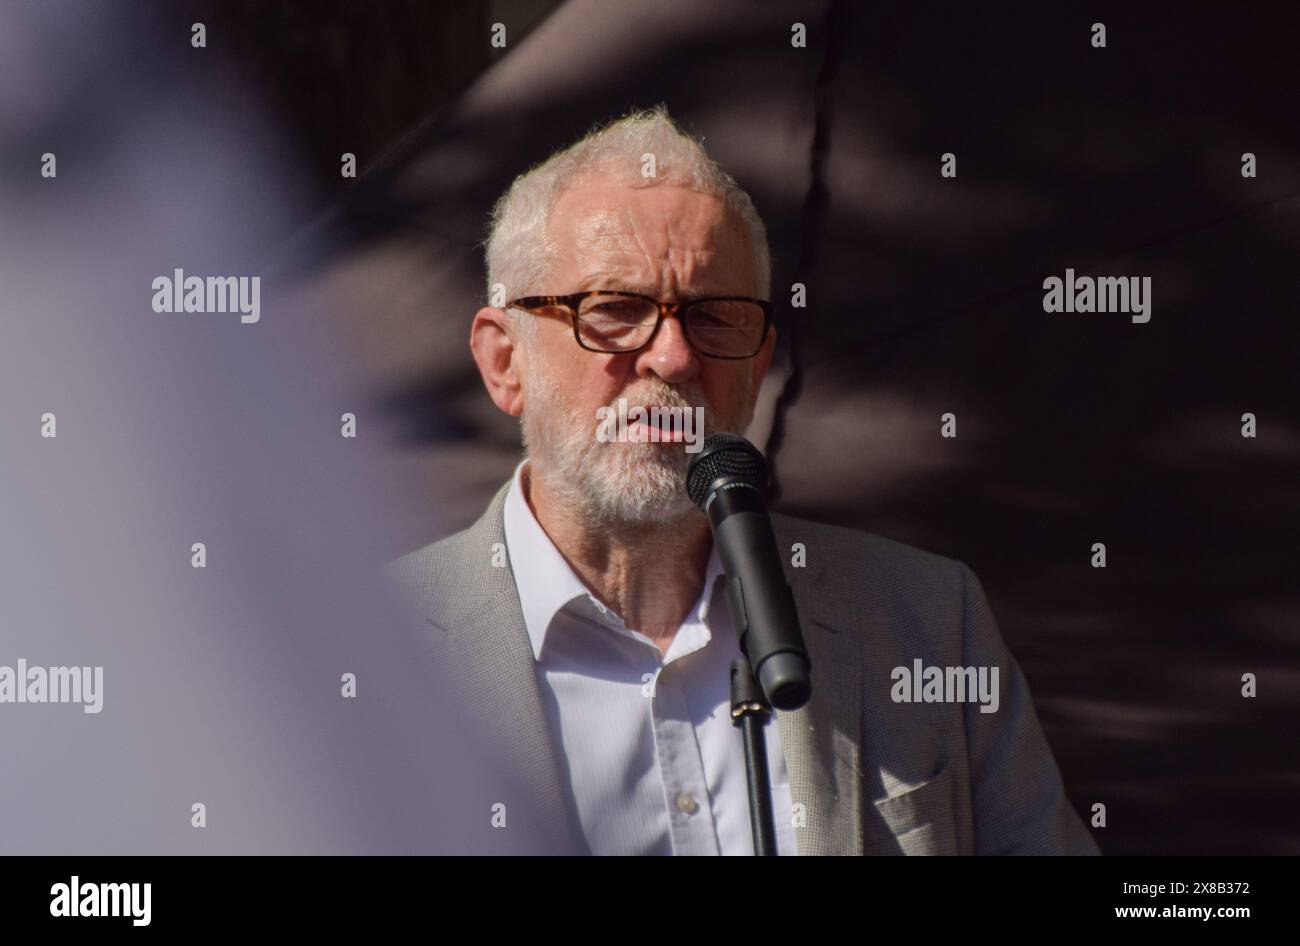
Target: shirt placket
681 766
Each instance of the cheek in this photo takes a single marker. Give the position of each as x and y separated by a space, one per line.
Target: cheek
551 366
602 379
577 386
727 390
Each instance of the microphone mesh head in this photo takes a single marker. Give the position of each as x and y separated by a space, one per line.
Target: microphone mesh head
724 455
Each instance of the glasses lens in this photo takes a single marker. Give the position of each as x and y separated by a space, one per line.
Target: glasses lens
727 328
610 322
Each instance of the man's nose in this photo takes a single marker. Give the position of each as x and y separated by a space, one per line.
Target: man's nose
669 355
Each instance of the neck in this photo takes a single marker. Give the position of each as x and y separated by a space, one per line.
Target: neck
651 574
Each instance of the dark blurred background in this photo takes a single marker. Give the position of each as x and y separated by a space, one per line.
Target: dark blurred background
924 297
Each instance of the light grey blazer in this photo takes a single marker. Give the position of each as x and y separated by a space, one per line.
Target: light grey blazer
873 776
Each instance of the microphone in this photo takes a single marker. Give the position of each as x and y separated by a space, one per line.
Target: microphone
727 480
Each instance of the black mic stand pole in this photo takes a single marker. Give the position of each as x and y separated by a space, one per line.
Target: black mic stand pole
750 713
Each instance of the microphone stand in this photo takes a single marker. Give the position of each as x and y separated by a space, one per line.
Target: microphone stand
750 713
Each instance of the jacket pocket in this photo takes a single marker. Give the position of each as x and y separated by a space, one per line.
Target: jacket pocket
919 820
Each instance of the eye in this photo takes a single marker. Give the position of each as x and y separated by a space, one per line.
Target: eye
707 317
724 314
618 311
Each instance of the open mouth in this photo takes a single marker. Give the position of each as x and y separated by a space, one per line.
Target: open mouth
651 423
658 424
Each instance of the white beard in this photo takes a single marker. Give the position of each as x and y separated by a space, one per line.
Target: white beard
613 483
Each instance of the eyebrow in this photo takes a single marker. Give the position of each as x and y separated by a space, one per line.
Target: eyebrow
617 285
614 285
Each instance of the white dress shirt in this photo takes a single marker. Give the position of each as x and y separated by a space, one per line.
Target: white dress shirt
655 764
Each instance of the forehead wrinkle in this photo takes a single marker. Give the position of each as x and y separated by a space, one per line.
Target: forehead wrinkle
687 280
600 237
609 279
625 253
695 243
600 224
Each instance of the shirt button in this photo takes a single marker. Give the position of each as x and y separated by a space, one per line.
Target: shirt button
687 804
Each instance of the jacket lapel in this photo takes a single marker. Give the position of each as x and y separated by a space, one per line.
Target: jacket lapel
822 741
478 625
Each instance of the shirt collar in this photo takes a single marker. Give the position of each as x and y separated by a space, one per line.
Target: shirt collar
546 582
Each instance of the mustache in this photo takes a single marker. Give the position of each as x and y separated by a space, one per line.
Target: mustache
662 397
667 396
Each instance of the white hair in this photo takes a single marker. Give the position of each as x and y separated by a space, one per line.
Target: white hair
520 254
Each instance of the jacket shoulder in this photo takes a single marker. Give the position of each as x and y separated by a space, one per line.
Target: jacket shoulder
836 550
420 565
453 572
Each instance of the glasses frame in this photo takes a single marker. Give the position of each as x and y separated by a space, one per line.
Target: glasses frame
666 310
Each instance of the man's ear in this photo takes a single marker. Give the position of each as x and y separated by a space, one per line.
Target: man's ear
492 340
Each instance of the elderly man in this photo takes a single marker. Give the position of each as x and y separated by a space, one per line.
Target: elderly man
582 615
